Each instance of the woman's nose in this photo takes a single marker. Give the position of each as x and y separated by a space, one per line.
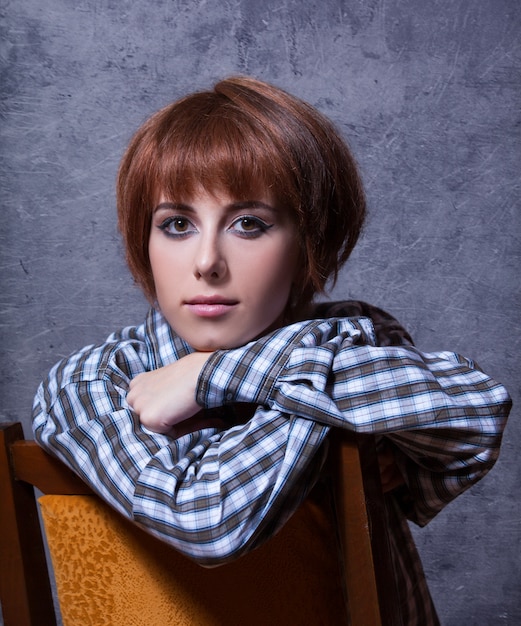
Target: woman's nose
210 263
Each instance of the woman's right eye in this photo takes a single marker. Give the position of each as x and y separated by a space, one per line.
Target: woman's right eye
177 226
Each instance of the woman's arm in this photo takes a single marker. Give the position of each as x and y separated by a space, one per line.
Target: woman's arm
213 494
444 415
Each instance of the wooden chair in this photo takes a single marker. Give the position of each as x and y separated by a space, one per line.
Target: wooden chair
369 594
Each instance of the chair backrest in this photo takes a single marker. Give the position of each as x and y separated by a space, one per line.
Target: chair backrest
281 582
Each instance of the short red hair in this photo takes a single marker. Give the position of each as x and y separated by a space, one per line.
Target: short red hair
245 137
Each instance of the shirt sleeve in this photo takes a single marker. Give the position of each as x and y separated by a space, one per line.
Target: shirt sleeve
212 494
443 414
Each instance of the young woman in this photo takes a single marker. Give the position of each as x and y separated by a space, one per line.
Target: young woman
207 424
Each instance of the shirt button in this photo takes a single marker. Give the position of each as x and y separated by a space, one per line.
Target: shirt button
229 396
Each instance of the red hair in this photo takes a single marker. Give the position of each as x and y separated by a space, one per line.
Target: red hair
245 137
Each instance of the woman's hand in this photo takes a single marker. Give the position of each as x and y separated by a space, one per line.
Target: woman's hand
164 397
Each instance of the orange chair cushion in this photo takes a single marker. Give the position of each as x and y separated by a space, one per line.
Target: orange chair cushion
108 571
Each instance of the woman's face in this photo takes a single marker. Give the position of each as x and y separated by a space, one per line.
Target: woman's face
223 269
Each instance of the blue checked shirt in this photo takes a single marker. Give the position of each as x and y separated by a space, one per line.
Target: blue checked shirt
218 492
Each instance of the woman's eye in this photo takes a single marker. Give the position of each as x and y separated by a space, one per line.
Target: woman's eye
249 226
177 226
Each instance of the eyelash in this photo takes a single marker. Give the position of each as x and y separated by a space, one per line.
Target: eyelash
260 227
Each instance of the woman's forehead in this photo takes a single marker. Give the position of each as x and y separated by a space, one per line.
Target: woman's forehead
218 191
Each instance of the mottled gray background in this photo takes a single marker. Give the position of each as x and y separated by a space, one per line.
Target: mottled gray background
428 94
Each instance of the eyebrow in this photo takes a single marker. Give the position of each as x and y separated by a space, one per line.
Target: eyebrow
233 206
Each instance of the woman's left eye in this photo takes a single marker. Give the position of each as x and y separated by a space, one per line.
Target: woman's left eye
177 226
250 226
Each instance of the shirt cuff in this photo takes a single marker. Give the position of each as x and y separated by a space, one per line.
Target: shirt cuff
245 374
301 351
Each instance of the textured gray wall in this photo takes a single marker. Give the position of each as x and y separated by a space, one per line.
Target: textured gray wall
427 91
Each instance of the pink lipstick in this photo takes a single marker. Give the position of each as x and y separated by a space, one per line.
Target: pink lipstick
211 306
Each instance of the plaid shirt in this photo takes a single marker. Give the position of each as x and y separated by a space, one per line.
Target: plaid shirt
218 492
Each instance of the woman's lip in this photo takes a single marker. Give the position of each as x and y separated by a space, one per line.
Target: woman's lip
210 306
211 300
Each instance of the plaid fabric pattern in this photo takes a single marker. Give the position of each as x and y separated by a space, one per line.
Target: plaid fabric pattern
217 493
443 414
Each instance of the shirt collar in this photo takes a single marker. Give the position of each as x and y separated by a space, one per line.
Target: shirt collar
164 345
